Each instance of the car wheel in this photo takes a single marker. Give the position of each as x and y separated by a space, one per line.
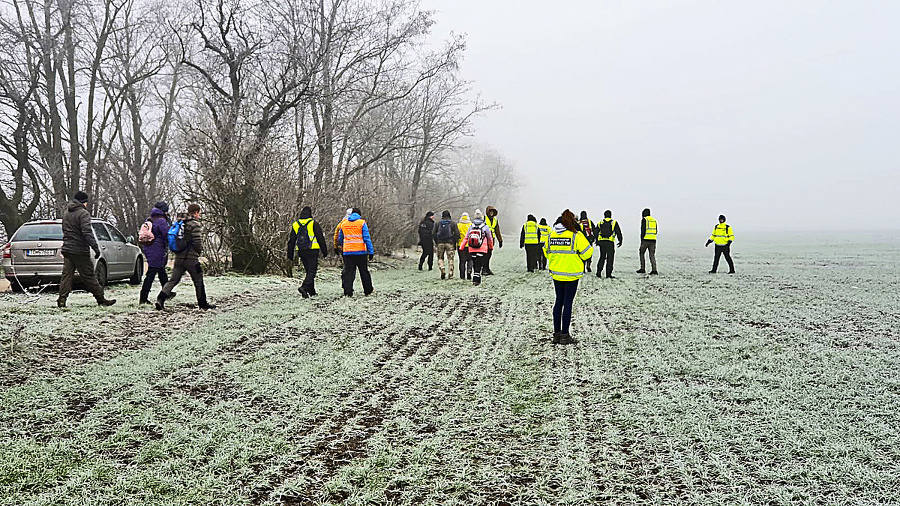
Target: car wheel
138 272
15 286
101 273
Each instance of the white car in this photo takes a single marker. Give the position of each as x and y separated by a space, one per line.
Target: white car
33 257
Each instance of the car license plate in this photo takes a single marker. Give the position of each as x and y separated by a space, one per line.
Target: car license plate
40 252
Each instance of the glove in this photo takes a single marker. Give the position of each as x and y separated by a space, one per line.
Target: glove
708 243
371 256
729 243
619 245
501 243
96 253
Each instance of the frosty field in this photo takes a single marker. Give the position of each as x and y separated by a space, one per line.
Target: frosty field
777 385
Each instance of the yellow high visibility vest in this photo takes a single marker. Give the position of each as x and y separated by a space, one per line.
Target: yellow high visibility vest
492 224
566 253
545 232
722 234
611 237
531 232
650 231
463 230
309 231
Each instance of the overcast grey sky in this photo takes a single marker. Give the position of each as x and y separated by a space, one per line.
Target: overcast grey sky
780 114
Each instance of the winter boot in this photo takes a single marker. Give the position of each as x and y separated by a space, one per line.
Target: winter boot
556 337
303 292
641 271
106 302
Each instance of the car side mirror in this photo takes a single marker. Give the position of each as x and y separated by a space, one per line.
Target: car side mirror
130 239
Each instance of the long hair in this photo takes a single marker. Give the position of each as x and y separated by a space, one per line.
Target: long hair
568 220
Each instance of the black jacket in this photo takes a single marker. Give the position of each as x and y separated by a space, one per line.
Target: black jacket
317 231
193 234
78 236
426 227
454 232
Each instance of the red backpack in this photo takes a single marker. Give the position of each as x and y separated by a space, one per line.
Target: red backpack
475 238
145 234
586 228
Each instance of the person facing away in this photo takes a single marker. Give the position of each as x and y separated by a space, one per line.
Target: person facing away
588 228
446 237
465 261
337 229
545 233
608 231
530 239
78 241
490 218
567 249
426 227
157 251
356 243
188 260
648 242
723 236
479 243
307 240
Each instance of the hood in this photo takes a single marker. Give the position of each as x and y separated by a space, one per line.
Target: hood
584 215
559 228
531 218
305 213
646 212
465 218
354 217
543 221
445 215
489 210
156 212
74 205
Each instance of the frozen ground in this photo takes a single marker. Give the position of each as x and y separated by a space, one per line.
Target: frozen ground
778 385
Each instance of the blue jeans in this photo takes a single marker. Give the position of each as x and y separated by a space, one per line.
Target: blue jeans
562 310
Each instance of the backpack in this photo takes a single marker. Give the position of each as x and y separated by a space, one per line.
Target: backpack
145 234
177 241
475 238
586 228
303 240
445 234
605 228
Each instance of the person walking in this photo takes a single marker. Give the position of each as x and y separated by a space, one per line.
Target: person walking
188 260
608 231
356 243
545 233
156 251
648 242
479 242
426 238
307 240
78 241
530 239
588 228
493 223
446 237
723 236
337 229
567 250
465 261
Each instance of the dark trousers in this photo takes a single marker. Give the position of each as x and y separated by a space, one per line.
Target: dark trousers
486 268
352 263
542 259
607 255
193 268
85 267
427 253
465 264
532 256
587 263
723 250
153 272
562 310
479 264
310 261
650 247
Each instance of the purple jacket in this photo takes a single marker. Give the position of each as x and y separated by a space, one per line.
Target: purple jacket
156 252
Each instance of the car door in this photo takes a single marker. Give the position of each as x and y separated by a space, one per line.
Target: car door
107 249
124 262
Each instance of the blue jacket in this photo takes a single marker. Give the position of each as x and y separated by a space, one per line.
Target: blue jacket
156 251
366 237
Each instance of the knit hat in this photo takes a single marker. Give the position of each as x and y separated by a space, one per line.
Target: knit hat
464 217
445 215
162 206
349 212
478 214
81 197
429 214
607 214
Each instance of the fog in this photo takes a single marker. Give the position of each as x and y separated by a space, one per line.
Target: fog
781 115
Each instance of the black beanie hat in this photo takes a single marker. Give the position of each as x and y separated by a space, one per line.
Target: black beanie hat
445 215
646 212
81 197
429 214
607 214
543 221
162 206
583 215
722 217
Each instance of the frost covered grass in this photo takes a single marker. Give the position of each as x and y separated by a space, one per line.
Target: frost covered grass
777 385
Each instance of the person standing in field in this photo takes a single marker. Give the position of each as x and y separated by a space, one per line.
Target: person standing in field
479 242
426 228
608 231
337 247
465 261
545 233
78 241
567 250
588 229
446 237
496 238
648 242
155 251
307 240
188 260
530 239
723 236
356 243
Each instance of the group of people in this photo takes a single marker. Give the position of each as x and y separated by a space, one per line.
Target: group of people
472 239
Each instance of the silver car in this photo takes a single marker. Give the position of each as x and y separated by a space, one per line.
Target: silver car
32 255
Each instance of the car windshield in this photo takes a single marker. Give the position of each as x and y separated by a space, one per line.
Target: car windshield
40 232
